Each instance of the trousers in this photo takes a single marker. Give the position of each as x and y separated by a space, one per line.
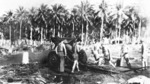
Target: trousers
62 61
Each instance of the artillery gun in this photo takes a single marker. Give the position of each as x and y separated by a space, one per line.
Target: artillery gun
53 59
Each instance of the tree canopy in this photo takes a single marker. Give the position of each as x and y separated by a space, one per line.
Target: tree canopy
56 21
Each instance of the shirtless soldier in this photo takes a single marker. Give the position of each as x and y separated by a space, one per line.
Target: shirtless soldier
61 52
75 50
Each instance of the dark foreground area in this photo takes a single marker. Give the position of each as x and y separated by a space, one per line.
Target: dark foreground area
37 74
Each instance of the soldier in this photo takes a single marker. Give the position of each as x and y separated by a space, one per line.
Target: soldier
75 50
124 56
106 54
144 55
61 52
98 57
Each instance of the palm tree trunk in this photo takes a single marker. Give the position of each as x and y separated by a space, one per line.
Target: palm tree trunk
101 30
82 33
58 34
119 32
31 33
134 28
72 29
116 32
128 36
86 32
46 33
139 36
26 35
10 34
61 29
41 35
20 29
54 31
46 29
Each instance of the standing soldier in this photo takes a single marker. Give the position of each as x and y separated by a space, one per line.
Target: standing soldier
61 52
124 56
75 50
144 55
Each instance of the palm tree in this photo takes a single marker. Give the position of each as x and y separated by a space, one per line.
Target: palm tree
102 7
63 23
131 24
85 10
43 13
95 25
117 16
31 20
72 20
8 19
21 16
135 18
58 13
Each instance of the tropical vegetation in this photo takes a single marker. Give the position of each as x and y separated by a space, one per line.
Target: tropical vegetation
83 20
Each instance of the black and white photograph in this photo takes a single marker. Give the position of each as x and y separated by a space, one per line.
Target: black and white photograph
74 42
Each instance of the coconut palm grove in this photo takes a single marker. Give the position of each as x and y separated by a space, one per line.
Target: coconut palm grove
34 34
44 22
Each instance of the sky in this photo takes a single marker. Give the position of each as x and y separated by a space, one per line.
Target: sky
6 5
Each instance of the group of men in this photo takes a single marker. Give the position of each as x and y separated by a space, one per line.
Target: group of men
62 52
124 55
144 55
102 58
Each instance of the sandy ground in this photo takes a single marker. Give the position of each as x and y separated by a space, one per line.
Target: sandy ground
89 76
